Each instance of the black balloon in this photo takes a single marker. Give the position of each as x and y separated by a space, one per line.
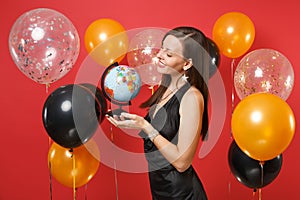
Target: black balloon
71 115
101 104
214 54
250 172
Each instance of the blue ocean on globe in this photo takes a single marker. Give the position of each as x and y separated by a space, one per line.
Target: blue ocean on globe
122 83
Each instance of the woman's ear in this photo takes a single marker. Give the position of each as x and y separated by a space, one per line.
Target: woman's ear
188 64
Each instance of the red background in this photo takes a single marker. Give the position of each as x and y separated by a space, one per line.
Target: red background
24 142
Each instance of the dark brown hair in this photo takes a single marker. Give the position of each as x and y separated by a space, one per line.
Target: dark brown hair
195 47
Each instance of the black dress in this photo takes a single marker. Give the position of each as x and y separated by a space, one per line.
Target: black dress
165 181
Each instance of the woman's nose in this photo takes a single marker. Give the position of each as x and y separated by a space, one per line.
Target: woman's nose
159 54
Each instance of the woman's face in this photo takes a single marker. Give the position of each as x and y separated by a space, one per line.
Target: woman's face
170 59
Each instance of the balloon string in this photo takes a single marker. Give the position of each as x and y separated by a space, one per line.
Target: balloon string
85 191
115 165
50 180
73 173
253 193
229 185
261 163
152 89
116 180
232 88
74 193
50 173
47 87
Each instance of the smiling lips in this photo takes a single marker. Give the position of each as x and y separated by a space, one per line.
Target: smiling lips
160 64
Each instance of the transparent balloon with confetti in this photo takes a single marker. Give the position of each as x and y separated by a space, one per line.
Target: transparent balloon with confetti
143 48
264 70
44 44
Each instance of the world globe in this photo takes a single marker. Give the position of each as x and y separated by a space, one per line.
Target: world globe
121 83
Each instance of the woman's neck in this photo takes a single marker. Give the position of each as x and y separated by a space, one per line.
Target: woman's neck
176 82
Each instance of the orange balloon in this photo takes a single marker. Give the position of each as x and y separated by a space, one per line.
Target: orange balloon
77 167
234 34
106 41
263 125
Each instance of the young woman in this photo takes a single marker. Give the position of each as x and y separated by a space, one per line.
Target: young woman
177 117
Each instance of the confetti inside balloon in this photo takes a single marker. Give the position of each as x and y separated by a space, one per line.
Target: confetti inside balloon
149 74
44 44
143 48
264 70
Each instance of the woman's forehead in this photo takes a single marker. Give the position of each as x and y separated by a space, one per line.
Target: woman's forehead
173 44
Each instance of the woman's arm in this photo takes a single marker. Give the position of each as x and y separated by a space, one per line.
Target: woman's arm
182 154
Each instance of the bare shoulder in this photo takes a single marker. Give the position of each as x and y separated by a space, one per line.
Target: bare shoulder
192 100
193 94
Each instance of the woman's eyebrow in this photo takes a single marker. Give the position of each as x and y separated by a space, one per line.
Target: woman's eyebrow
170 50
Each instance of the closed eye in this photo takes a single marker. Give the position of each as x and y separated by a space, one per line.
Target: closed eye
168 52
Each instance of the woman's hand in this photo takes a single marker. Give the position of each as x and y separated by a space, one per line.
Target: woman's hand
127 120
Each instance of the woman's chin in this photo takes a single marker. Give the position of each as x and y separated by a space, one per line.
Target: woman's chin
161 69
167 70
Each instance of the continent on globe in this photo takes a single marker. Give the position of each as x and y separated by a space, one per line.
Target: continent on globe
121 83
